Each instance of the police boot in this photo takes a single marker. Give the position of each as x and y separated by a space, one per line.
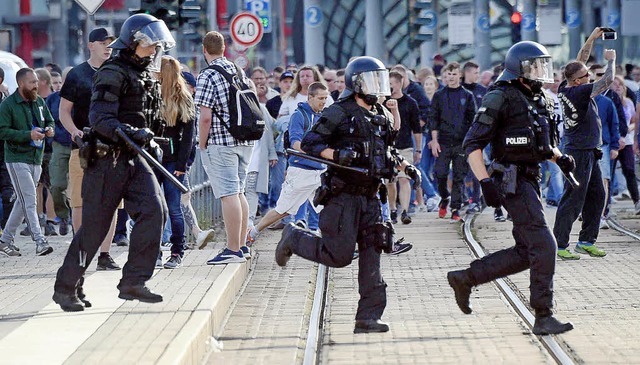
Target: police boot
140 292
461 281
81 295
370 325
283 250
68 302
547 324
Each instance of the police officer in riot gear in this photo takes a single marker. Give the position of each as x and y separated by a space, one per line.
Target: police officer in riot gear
355 131
516 117
125 97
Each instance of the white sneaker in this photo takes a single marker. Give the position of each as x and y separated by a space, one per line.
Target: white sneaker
625 195
604 224
204 237
165 246
432 203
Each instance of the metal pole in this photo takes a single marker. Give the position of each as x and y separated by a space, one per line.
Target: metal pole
373 29
58 29
427 50
573 19
529 18
313 32
212 14
483 34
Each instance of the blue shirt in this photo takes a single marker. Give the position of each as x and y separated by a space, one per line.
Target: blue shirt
609 118
300 123
61 135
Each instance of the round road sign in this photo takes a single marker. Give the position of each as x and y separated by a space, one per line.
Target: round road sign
246 29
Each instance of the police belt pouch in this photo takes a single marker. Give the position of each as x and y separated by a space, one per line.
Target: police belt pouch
380 236
505 177
90 148
323 193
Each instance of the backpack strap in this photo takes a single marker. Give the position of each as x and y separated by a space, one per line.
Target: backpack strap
229 78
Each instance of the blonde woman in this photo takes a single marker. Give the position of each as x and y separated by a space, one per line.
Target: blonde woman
430 85
298 93
178 112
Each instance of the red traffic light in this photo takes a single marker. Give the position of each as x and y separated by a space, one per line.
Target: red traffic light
516 17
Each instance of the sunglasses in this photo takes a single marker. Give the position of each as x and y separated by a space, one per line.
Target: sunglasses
600 74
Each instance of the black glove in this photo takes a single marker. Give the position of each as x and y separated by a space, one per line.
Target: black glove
566 163
140 136
414 174
491 194
345 156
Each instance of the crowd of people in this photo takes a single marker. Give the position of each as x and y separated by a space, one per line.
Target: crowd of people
426 138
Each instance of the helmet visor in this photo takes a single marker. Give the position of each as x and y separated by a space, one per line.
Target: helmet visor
155 33
538 69
156 60
372 83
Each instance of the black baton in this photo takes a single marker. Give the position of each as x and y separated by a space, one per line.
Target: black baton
571 179
326 162
151 160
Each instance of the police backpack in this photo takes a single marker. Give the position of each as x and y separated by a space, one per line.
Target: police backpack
246 122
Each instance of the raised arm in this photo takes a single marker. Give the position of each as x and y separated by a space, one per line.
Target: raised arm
606 80
585 51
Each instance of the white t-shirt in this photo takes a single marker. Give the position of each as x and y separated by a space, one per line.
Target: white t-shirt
629 110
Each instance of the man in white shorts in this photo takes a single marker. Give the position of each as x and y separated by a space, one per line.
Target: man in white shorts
303 176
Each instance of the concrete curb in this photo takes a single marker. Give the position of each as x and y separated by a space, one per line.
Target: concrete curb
192 342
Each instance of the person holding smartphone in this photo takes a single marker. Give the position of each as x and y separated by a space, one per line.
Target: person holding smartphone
25 121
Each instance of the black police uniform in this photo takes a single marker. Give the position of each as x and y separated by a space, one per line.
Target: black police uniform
352 213
123 92
505 120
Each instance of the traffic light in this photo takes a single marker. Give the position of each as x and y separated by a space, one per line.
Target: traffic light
516 22
422 22
165 10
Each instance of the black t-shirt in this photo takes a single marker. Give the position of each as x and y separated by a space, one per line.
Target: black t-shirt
582 125
77 89
409 121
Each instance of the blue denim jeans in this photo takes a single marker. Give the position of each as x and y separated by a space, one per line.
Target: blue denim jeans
426 169
555 184
309 215
172 196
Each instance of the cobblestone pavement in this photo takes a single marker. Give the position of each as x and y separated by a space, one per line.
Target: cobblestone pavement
267 322
600 296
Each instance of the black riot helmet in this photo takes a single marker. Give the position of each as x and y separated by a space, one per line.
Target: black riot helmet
143 28
146 30
529 60
367 77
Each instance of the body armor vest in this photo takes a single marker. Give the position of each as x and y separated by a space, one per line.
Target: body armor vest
140 99
369 134
525 135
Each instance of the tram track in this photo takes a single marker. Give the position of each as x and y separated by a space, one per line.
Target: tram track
549 342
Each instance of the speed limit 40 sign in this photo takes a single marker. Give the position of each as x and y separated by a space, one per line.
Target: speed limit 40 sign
246 29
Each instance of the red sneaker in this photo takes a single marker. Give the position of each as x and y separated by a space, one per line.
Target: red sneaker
455 216
442 212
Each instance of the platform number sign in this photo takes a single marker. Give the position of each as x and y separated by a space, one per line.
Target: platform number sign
246 29
313 16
